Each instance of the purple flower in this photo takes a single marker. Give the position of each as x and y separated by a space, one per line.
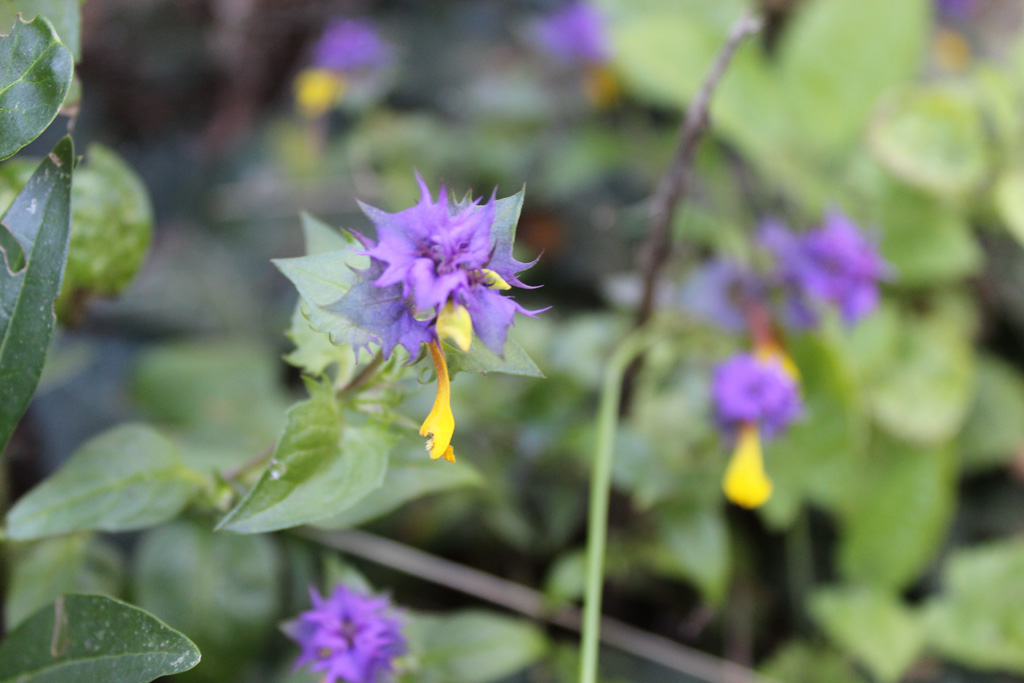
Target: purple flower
747 390
576 35
957 9
349 45
835 264
718 291
349 637
438 269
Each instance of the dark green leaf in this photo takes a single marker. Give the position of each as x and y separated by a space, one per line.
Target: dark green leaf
978 621
77 563
220 589
872 625
65 15
410 478
473 646
320 468
93 639
35 79
693 545
34 238
127 478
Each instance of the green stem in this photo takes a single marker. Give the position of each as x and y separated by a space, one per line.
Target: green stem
600 489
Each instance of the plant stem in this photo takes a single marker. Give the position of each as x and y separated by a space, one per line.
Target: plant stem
600 490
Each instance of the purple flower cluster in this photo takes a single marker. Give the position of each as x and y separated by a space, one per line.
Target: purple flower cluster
434 256
576 35
349 45
747 390
957 9
348 637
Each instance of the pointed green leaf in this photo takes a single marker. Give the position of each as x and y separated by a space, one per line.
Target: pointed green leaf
130 477
479 358
321 238
34 81
321 467
65 15
93 639
872 625
35 244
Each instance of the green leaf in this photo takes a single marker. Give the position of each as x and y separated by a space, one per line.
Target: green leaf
693 544
77 563
800 662
994 433
320 468
412 477
479 358
473 646
112 224
1009 200
127 478
321 238
837 57
315 352
222 590
872 625
933 138
978 620
36 78
924 394
34 239
65 15
899 506
93 639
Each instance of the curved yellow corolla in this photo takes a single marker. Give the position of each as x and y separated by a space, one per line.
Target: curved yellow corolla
746 483
317 90
440 423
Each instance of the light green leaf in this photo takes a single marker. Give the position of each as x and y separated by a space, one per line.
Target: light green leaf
93 639
479 358
220 589
899 506
320 468
413 476
933 138
112 224
978 621
77 563
34 239
65 15
923 396
473 646
837 57
1009 199
872 625
321 238
127 478
994 432
315 352
36 77
801 662
693 544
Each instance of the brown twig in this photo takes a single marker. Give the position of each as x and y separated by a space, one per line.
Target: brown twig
529 602
675 183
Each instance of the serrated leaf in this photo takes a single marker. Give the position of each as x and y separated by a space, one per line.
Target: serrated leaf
978 620
35 79
320 468
93 639
127 478
872 625
473 646
314 351
933 138
76 563
479 358
406 480
65 15
35 245
220 589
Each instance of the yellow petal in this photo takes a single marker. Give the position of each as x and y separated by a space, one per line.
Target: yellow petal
454 323
771 351
440 423
495 281
317 90
746 483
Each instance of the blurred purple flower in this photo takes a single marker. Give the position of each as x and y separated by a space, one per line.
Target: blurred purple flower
747 390
436 260
349 45
957 9
718 291
575 35
836 264
348 637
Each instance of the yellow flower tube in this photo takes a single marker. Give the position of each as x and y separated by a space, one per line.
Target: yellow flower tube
440 423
